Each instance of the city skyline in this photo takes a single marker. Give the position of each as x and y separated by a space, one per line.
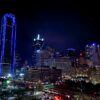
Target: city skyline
62 27
49 50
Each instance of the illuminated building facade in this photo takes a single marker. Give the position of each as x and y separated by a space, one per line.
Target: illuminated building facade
53 59
8 42
63 63
47 57
44 74
0 43
92 53
38 43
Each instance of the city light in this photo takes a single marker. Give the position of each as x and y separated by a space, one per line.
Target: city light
57 98
43 71
87 45
0 83
8 81
38 51
21 74
9 75
93 44
81 54
68 96
42 39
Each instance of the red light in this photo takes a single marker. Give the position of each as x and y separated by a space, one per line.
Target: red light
57 98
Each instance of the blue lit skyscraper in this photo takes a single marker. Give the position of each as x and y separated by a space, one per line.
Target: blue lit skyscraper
8 42
37 47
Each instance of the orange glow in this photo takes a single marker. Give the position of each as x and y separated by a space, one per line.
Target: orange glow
57 98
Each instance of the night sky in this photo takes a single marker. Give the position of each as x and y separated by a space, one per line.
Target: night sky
63 25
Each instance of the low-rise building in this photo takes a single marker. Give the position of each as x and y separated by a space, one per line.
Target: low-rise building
44 74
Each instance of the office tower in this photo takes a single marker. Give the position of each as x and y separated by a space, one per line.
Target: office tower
47 57
8 42
92 52
0 43
63 63
18 60
72 54
38 43
82 60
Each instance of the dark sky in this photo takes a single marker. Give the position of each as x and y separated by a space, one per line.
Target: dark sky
62 24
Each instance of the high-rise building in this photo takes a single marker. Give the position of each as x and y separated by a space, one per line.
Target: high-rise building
63 63
47 57
0 43
82 60
92 53
18 61
72 54
8 42
38 43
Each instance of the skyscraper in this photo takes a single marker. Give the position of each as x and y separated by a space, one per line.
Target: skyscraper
47 57
0 43
8 42
18 60
92 53
38 43
72 54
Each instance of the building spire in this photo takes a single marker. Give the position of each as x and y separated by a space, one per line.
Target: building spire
38 38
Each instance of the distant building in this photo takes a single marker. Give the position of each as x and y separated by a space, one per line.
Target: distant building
18 61
37 46
82 58
63 63
44 74
47 57
0 43
94 74
72 54
93 54
6 69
